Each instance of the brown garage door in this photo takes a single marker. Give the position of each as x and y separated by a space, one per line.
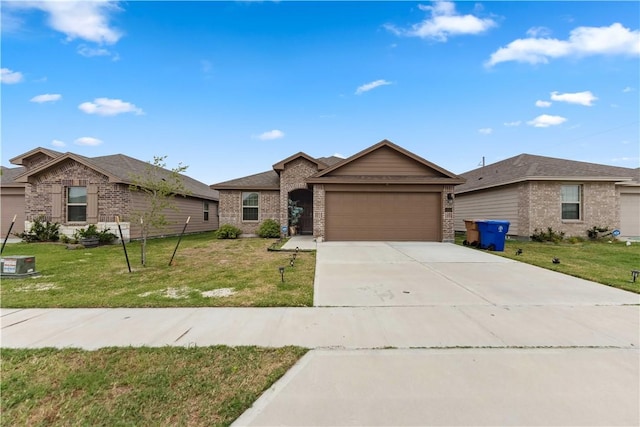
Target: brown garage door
382 216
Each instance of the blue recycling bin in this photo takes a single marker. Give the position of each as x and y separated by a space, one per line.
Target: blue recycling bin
493 234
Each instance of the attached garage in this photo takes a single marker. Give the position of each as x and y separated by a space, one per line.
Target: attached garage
383 216
384 193
630 212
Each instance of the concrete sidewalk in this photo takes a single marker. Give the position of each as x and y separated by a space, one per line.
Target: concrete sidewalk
333 327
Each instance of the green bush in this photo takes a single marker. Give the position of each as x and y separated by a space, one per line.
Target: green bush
104 236
41 231
547 236
269 228
228 231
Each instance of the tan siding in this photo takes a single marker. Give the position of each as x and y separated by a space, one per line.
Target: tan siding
12 203
499 204
186 206
382 162
630 212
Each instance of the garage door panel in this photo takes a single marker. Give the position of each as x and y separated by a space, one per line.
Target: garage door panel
383 216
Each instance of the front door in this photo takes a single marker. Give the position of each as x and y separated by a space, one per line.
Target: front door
305 201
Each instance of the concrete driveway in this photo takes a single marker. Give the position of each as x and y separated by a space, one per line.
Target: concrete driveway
371 274
418 334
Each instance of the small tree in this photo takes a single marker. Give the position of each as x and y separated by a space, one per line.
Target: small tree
159 186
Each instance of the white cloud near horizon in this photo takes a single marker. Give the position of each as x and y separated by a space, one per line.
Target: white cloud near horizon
109 107
370 86
58 143
9 77
88 141
585 98
513 124
583 41
543 104
86 20
628 89
485 131
546 120
271 135
443 23
47 97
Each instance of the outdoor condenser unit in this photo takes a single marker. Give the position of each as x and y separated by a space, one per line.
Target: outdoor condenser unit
17 266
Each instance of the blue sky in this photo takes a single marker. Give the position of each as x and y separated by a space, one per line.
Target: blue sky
230 88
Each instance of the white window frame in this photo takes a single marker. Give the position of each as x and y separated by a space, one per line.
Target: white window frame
205 210
577 202
245 195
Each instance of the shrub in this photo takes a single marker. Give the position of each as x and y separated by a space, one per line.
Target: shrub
269 228
228 231
104 237
594 232
547 236
41 231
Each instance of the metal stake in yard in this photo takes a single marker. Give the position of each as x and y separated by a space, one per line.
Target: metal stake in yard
8 233
123 245
179 238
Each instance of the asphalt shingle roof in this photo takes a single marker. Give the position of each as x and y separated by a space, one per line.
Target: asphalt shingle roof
531 167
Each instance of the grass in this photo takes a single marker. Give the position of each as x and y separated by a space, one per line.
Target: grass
208 386
598 261
99 277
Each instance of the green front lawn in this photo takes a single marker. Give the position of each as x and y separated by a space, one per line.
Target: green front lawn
206 272
599 261
209 386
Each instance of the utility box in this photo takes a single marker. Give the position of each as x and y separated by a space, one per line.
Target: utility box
17 266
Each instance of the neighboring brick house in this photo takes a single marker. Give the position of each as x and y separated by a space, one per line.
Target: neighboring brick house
536 192
76 191
381 193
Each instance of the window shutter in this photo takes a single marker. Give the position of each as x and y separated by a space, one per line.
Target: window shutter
56 203
92 203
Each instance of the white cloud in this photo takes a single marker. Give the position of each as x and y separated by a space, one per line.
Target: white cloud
270 135
109 107
628 89
86 20
369 86
538 32
583 98
546 120
443 23
543 104
58 143
485 131
513 124
89 141
10 77
583 41
47 97
90 52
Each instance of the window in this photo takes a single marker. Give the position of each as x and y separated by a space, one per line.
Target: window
571 201
77 204
249 206
205 209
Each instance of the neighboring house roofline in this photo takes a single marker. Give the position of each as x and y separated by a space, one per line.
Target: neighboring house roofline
7 178
120 169
19 160
450 176
528 167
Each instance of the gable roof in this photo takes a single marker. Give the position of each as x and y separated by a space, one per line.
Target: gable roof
528 167
270 180
279 167
19 160
439 175
119 169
